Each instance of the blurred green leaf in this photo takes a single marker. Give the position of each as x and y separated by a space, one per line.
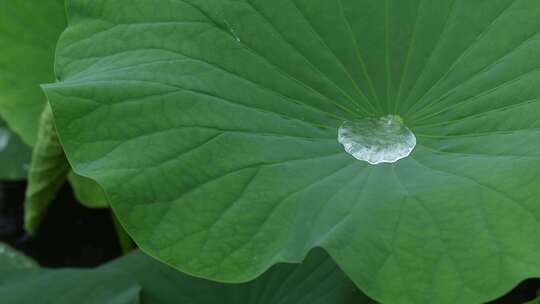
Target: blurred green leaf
317 281
13 260
14 155
29 31
22 282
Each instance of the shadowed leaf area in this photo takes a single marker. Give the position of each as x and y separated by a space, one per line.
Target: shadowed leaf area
137 278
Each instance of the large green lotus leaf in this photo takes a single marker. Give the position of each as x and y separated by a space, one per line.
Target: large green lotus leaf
212 126
14 155
137 277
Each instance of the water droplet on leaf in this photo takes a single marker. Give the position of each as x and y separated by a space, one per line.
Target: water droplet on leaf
377 140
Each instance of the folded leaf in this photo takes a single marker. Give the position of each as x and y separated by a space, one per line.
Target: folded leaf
48 172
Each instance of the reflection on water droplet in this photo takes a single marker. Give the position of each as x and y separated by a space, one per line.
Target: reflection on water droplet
377 140
4 138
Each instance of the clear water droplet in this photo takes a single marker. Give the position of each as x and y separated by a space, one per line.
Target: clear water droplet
377 140
4 138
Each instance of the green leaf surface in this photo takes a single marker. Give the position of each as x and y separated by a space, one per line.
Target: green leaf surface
22 281
29 31
535 301
14 155
87 191
138 277
13 260
317 281
69 286
212 127
48 173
